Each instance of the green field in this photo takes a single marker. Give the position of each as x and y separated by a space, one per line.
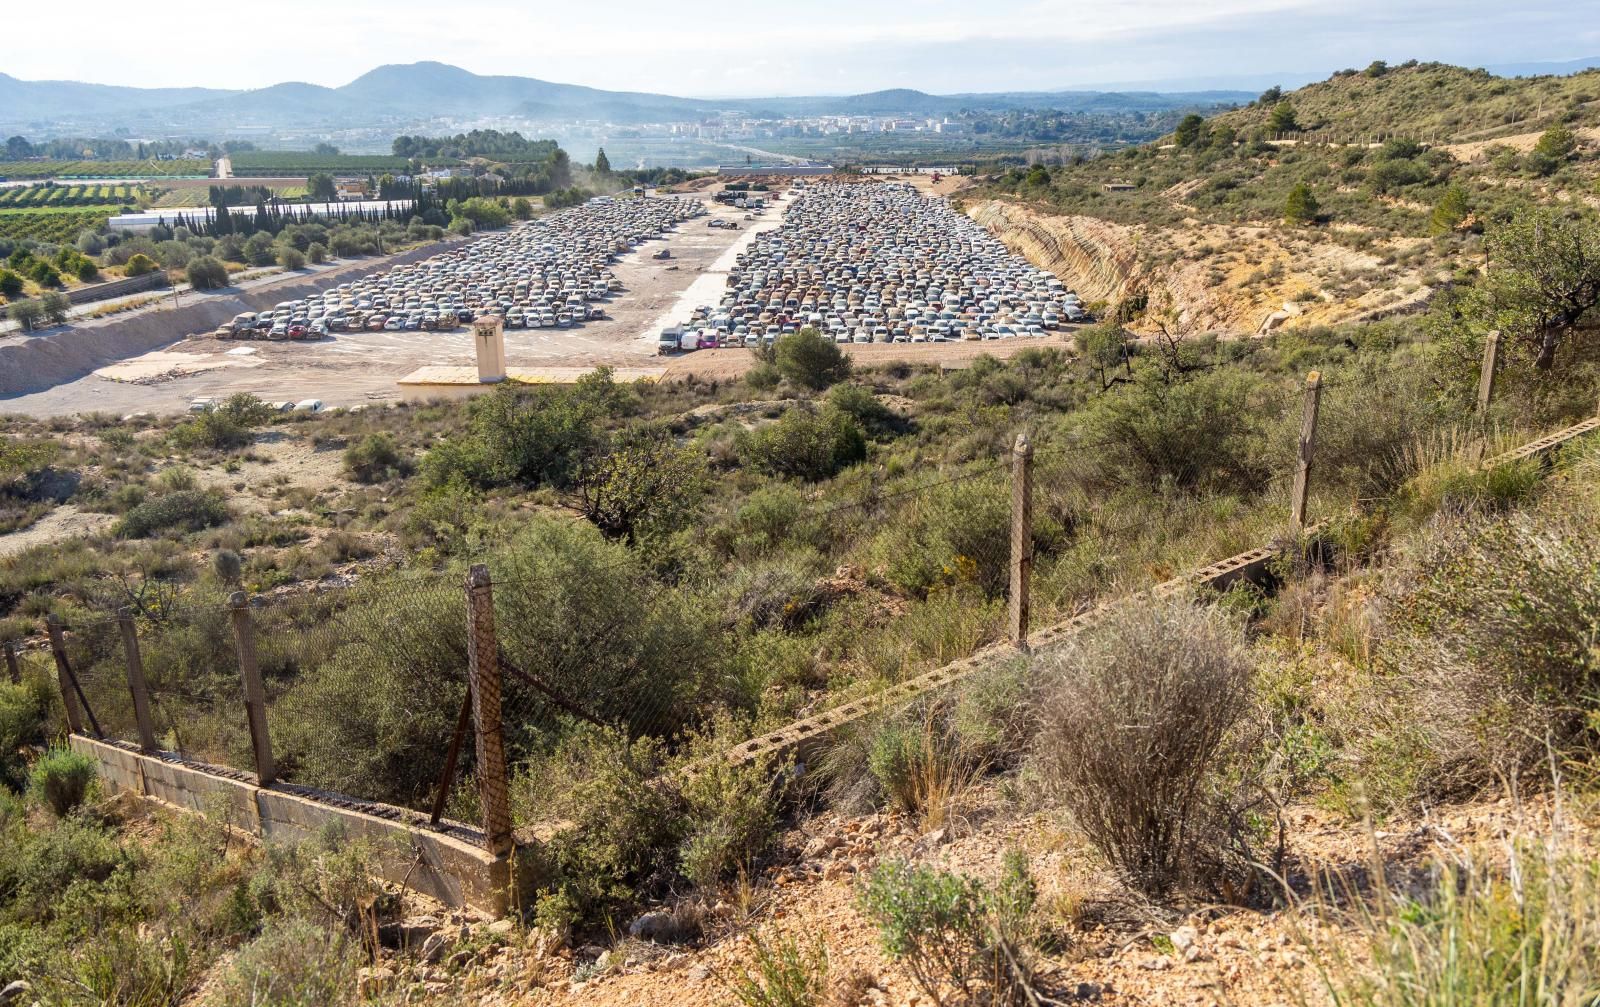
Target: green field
295 162
50 224
68 195
104 169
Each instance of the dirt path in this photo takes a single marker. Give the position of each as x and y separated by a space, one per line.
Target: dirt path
62 523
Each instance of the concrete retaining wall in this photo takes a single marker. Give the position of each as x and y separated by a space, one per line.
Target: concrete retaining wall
450 865
118 288
63 355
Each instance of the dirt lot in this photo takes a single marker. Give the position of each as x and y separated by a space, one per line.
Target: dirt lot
363 367
356 368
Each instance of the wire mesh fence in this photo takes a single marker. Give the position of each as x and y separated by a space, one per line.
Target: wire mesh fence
824 609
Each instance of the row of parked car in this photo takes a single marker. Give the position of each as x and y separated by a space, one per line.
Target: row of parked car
549 273
878 262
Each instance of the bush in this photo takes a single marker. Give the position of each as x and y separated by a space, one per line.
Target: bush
807 444
375 459
24 710
10 284
950 929
920 768
1198 431
184 510
763 377
1492 656
729 818
292 964
953 535
207 273
139 265
290 257
788 973
62 780
1135 716
810 360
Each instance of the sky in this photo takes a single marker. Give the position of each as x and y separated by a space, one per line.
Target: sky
811 47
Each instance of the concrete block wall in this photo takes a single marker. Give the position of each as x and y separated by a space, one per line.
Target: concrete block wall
447 866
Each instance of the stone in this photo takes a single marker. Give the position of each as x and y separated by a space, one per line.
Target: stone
699 973
410 933
372 981
1086 991
1183 938
658 926
501 928
14 991
822 845
433 947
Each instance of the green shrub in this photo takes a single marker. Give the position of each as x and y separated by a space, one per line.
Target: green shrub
807 444
763 377
809 359
954 534
1196 431
207 273
184 510
620 825
1135 718
62 780
955 930
788 973
729 818
1491 657
24 713
375 458
292 964
140 264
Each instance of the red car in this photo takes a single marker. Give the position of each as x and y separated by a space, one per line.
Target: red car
297 331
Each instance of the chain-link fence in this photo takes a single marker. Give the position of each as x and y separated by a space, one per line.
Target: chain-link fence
901 582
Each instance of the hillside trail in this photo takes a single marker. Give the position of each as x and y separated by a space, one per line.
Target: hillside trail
63 523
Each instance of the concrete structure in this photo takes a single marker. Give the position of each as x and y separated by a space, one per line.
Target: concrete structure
447 863
489 336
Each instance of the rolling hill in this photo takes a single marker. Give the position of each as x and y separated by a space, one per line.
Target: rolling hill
415 91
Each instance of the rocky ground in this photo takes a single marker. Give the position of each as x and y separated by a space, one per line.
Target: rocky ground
1097 942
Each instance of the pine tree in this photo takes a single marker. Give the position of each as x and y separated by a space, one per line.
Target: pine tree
602 164
1450 212
1301 206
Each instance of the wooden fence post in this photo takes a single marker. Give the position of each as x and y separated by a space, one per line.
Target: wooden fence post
1491 361
483 664
1021 538
12 666
64 679
1308 442
255 696
136 683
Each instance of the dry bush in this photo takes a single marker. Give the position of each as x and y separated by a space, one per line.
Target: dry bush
1135 738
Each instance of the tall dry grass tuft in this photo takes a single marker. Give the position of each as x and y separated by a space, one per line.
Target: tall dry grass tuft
1515 926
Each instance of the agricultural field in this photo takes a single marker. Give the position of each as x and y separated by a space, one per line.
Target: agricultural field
296 162
104 169
69 195
54 225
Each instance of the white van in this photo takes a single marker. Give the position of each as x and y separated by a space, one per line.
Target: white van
308 406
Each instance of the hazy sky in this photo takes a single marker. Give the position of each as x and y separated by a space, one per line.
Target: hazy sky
811 47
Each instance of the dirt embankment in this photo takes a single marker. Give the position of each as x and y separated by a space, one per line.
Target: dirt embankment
1230 279
32 365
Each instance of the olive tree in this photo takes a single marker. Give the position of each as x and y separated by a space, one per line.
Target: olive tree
1543 280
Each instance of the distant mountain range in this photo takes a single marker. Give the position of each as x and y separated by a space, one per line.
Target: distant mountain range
420 91
399 94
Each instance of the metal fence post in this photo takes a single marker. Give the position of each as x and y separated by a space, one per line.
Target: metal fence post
12 665
483 664
1021 538
136 683
64 679
1491 361
255 696
1308 441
